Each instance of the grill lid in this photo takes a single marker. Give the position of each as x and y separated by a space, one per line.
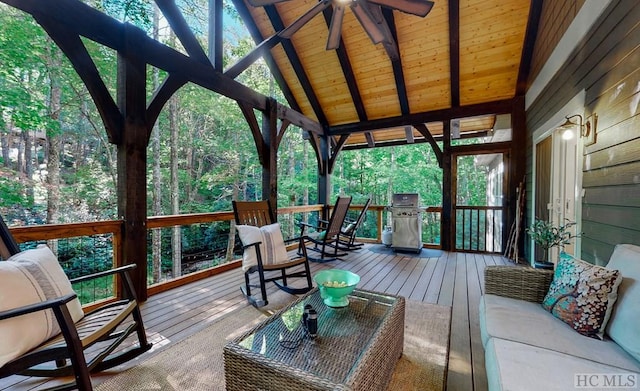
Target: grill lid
405 199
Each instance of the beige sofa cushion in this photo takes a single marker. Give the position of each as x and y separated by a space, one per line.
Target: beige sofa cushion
624 326
514 366
528 323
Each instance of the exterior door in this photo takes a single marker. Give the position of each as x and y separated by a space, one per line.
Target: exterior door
556 184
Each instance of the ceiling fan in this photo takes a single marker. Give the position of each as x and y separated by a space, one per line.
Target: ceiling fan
368 13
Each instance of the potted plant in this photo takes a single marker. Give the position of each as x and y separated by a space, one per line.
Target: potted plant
547 236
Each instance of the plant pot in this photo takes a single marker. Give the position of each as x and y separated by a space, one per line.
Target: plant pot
543 265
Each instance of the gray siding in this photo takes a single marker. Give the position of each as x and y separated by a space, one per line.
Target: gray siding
607 66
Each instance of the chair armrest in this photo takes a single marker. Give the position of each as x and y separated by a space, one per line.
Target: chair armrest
41 306
523 283
117 270
256 244
294 239
127 283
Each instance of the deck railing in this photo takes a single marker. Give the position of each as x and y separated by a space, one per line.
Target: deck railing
479 228
205 246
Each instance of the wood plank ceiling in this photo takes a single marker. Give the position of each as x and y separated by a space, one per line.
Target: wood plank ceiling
464 54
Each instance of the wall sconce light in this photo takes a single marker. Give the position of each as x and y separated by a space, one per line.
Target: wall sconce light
587 129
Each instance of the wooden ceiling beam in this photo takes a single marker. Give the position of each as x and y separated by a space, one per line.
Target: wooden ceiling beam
245 62
82 20
254 126
370 141
335 151
495 107
315 141
408 131
296 64
244 13
347 71
103 29
454 51
396 143
284 125
180 27
424 131
170 85
298 119
535 11
216 14
396 64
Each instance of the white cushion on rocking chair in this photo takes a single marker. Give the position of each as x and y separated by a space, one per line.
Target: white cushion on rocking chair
29 277
272 247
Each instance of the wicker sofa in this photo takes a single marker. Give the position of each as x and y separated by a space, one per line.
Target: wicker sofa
527 348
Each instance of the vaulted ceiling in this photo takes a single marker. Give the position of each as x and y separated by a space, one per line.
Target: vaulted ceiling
466 58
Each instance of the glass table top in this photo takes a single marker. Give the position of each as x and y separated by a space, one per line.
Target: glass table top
343 334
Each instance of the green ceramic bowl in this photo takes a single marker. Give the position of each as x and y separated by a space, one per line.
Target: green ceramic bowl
330 284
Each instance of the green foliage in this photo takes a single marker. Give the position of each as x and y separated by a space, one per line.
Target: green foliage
380 172
136 12
12 194
547 235
217 158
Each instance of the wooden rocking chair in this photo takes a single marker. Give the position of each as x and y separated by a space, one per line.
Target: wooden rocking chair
103 328
256 223
327 234
348 231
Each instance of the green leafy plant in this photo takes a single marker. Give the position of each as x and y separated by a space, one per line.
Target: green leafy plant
547 235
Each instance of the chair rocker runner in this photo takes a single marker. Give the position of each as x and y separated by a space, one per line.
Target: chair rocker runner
71 332
348 232
264 252
327 234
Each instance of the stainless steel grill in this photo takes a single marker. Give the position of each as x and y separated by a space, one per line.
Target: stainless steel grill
407 222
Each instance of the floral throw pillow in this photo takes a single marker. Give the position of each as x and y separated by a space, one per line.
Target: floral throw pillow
582 295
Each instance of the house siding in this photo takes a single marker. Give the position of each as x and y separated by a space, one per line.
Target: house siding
555 19
606 65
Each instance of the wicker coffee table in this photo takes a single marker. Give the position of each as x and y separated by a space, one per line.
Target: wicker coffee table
356 349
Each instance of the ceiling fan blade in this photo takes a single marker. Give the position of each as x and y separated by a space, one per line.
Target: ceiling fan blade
415 7
367 20
335 29
304 19
389 41
262 3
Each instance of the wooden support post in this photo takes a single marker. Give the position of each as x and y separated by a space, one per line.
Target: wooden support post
270 166
517 164
447 229
132 161
324 176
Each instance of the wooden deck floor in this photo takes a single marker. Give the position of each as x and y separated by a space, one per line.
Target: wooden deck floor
450 279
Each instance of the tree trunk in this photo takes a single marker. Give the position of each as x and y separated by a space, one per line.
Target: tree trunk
20 164
176 244
231 241
5 140
54 62
390 183
156 202
292 197
305 191
28 165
